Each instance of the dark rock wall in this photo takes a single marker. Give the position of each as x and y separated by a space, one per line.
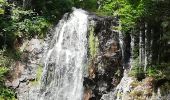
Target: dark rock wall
107 64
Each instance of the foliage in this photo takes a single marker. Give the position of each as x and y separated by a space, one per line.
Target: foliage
23 23
4 60
137 71
2 2
28 22
159 71
127 11
153 72
13 55
90 5
5 93
3 71
53 9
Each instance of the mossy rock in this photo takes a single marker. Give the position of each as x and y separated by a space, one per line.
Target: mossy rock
38 75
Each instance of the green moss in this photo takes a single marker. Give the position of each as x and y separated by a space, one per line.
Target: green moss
38 75
93 43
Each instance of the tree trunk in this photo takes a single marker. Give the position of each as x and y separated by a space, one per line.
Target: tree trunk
141 46
146 47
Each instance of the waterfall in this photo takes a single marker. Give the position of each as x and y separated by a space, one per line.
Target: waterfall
121 44
65 59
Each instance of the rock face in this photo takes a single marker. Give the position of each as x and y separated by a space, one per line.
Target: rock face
105 69
24 72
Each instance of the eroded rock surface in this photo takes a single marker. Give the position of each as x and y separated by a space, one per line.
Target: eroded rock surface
105 69
24 71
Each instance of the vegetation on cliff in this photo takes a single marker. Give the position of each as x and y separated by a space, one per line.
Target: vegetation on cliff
5 93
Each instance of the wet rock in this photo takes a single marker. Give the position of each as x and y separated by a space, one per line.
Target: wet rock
87 94
24 71
108 59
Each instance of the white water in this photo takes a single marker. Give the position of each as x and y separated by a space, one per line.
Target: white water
65 60
121 44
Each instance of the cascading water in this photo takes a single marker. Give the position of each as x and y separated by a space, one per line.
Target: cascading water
66 58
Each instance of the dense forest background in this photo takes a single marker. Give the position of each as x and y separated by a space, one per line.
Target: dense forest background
24 19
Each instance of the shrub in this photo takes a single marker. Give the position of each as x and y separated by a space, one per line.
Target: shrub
3 71
5 93
22 23
137 71
27 23
160 71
